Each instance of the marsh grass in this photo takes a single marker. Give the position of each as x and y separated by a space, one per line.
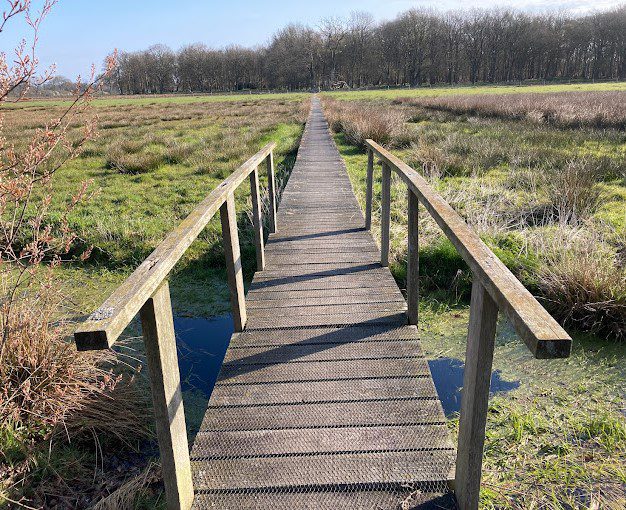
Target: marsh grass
61 430
550 204
596 109
361 122
514 183
553 453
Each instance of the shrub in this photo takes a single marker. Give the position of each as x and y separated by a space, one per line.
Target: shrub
573 190
359 122
44 383
581 281
601 109
132 163
177 152
429 157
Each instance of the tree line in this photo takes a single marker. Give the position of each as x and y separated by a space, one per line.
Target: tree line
419 47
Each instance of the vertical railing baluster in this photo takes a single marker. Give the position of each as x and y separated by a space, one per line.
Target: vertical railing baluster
271 188
158 333
232 254
475 396
412 272
369 189
257 219
385 218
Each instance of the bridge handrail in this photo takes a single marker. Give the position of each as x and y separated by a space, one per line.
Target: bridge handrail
103 327
542 334
146 292
494 288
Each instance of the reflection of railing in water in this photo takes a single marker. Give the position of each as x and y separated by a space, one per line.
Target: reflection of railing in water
494 288
146 292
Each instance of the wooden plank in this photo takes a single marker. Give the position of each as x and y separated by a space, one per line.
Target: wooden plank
158 331
327 300
352 468
385 215
103 327
367 294
390 318
542 334
350 334
325 352
289 441
325 414
334 309
314 391
238 373
257 219
412 272
316 498
232 254
475 396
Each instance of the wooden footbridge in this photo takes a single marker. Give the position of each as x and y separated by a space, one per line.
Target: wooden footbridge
324 400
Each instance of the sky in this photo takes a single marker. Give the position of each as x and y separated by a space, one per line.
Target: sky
79 33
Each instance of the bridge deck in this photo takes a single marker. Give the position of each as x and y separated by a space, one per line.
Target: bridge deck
326 400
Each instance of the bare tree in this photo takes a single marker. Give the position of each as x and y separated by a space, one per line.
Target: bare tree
418 47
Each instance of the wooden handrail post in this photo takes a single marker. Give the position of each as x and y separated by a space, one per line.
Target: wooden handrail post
412 272
158 333
232 254
475 396
385 218
271 188
369 189
257 219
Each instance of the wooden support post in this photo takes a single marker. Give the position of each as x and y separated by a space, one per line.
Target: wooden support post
232 254
271 188
158 333
385 217
475 396
257 219
369 189
412 273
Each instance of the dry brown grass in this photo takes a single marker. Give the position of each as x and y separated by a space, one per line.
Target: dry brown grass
568 109
43 379
581 280
125 497
359 122
573 190
52 397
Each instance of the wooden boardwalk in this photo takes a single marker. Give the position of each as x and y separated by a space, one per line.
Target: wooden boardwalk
325 401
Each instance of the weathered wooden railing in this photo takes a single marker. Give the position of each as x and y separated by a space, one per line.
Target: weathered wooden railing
146 292
494 288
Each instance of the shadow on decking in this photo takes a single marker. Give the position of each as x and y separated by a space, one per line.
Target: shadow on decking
290 352
316 235
315 276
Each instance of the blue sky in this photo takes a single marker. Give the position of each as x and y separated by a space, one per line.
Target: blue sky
81 32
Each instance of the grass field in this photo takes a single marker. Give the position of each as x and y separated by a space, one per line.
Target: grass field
151 164
550 201
439 91
559 441
155 100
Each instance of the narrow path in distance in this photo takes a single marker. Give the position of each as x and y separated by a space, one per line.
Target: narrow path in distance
325 401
